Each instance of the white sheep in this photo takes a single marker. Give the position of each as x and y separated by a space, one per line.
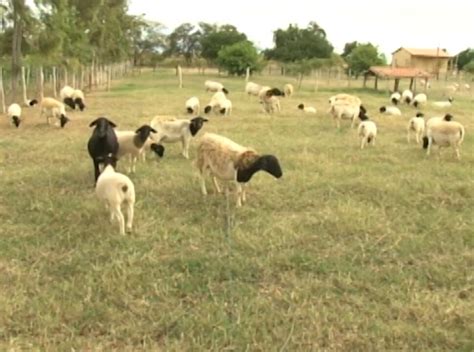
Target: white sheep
79 99
342 109
192 106
217 100
367 131
66 94
436 119
132 143
307 109
53 108
345 98
226 107
444 134
407 96
14 113
226 160
443 104
390 110
116 189
172 130
271 105
288 89
419 100
253 88
417 126
212 86
395 98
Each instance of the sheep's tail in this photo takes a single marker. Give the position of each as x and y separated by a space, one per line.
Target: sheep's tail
369 139
124 188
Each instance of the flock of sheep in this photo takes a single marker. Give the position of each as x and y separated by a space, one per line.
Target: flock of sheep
218 156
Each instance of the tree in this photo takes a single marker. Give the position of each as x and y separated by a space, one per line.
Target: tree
364 56
295 44
348 47
214 39
184 40
465 57
237 57
469 67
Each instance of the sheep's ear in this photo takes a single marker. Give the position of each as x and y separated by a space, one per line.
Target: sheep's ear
93 123
153 130
112 124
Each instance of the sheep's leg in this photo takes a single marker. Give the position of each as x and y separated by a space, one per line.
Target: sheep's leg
428 151
373 141
185 146
458 154
130 212
96 170
244 198
216 185
353 122
239 194
117 213
203 185
133 160
362 143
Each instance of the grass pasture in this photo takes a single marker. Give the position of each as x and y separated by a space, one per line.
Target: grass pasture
350 250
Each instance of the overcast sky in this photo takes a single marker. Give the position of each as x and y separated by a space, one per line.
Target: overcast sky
388 24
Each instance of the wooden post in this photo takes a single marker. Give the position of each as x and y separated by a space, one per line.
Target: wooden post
74 79
376 84
23 85
81 83
397 83
180 77
109 77
55 82
2 92
41 83
300 80
65 77
365 81
412 80
349 76
247 74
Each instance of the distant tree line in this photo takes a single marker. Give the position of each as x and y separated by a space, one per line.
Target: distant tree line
71 33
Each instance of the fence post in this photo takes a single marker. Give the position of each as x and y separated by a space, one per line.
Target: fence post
41 83
2 92
55 93
23 85
180 76
247 74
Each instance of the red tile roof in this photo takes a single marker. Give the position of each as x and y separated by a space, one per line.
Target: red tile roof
397 72
426 52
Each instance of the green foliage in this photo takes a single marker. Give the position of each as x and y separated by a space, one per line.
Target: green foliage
362 57
184 40
469 67
465 57
295 44
213 40
348 47
237 57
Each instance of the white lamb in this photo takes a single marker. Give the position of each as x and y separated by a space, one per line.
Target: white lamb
419 100
443 104
390 110
116 189
253 89
271 105
171 130
217 100
345 110
395 98
367 131
417 126
307 109
132 143
14 113
444 134
407 96
66 94
226 107
53 108
212 86
288 89
228 161
192 106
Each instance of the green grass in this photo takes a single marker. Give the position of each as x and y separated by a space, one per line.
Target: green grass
351 250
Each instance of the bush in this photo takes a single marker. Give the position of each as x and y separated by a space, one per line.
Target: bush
237 57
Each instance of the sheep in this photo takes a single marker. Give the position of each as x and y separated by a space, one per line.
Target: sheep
192 106
416 125
443 104
268 92
228 161
395 98
407 96
115 189
271 104
444 134
79 100
66 94
226 107
345 98
133 143
212 86
367 131
30 102
14 113
419 99
343 109
452 88
252 88
390 110
174 130
307 109
102 143
215 103
436 119
53 108
288 90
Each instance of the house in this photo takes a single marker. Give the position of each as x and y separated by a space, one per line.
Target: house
434 61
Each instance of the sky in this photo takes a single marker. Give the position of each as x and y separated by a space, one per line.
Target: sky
387 24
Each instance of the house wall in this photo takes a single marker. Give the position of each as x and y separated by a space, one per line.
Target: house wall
403 58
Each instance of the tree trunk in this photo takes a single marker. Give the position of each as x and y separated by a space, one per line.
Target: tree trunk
16 44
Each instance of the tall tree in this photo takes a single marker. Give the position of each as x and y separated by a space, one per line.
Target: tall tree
214 39
184 40
348 47
19 12
465 57
237 57
363 56
293 44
